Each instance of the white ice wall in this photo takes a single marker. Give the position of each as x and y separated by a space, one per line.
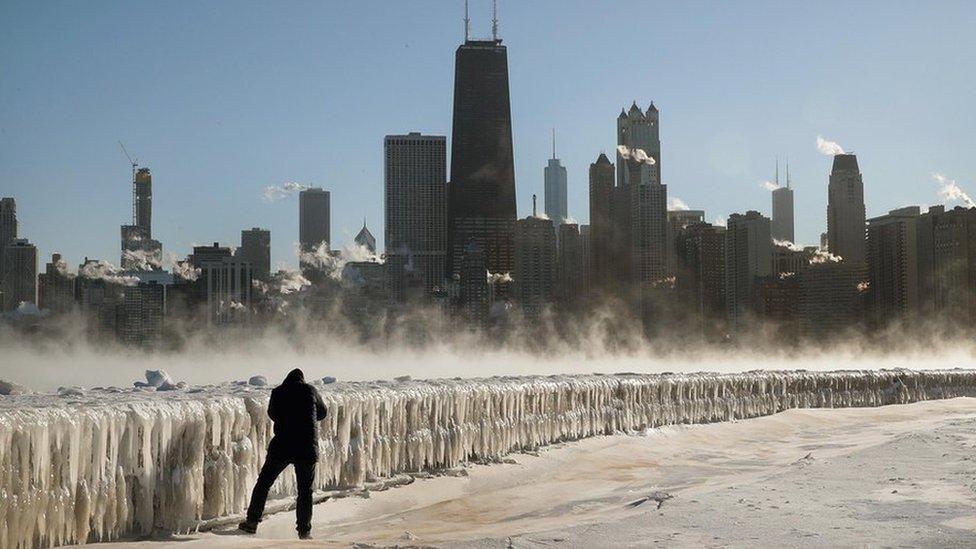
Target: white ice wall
109 464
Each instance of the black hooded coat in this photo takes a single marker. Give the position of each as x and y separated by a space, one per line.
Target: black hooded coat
295 408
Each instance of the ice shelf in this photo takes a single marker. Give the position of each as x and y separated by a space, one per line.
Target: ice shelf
109 463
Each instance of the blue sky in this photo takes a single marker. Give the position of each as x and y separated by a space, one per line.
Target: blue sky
222 99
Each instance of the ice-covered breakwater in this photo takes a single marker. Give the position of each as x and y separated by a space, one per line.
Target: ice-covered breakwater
104 464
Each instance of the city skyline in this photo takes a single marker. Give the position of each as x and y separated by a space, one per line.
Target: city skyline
210 171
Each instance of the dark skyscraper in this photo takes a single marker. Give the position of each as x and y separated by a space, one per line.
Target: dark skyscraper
256 248
639 130
845 211
892 261
535 262
415 200
482 189
781 225
603 237
314 219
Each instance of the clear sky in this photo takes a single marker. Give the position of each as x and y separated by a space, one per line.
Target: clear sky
221 99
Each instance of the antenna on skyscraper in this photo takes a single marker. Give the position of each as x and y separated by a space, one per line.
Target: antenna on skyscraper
467 22
787 172
777 171
533 206
554 143
494 20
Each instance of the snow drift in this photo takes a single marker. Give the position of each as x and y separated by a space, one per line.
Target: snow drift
109 462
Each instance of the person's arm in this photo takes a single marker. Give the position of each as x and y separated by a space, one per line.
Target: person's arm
272 411
320 411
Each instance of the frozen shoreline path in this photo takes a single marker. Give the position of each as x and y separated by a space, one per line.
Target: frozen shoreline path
110 463
888 476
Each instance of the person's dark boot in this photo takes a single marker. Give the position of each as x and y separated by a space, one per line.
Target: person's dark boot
305 535
248 527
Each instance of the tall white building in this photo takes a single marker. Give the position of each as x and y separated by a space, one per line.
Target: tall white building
556 202
415 203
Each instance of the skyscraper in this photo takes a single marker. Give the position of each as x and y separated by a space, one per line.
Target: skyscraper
639 130
603 237
645 201
139 250
482 188
677 221
781 226
8 225
55 286
415 200
892 262
18 281
845 211
535 262
571 262
947 262
366 239
314 219
256 248
555 186
748 257
700 269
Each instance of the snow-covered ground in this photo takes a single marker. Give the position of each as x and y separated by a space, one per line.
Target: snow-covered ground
105 463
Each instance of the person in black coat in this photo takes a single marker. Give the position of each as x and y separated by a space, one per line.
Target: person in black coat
295 408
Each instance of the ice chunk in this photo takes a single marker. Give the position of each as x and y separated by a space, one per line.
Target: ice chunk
258 381
328 379
11 388
158 378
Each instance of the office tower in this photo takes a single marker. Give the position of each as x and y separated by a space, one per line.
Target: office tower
644 201
55 287
481 201
845 210
209 253
556 188
415 204
639 130
474 292
18 281
830 299
571 264
314 219
366 239
748 257
535 262
789 260
700 270
586 253
140 252
141 313
946 243
678 220
8 224
892 263
781 226
256 249
603 234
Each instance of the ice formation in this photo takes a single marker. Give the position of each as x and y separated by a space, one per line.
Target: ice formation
105 463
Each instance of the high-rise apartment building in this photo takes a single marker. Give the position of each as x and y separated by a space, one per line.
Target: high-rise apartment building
604 240
415 205
644 202
700 270
535 263
678 220
946 242
481 201
18 280
140 252
845 211
892 264
571 264
56 287
748 258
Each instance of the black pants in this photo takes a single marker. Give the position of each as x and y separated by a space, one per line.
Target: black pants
304 476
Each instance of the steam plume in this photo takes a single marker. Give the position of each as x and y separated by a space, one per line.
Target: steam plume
828 147
103 270
675 203
769 185
274 193
637 154
952 191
